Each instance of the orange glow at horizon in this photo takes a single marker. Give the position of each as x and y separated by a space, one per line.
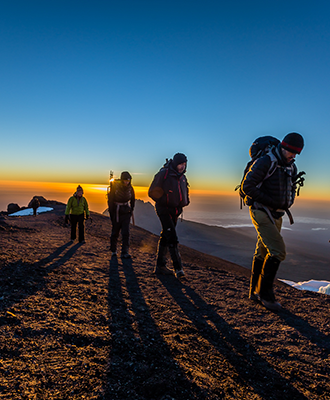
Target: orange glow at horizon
21 192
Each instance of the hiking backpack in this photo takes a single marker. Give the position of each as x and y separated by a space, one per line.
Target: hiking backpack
122 194
156 188
261 146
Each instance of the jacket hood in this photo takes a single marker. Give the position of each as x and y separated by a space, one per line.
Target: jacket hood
172 167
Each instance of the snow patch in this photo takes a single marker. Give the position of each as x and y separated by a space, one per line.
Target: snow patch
325 289
29 211
312 285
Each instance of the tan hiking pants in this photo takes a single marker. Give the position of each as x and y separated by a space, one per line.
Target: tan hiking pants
270 240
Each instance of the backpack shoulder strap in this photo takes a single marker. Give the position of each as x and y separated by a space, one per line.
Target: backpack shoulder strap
272 168
273 165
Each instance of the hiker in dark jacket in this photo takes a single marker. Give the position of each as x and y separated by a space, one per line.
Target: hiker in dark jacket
35 204
121 202
169 190
76 211
269 199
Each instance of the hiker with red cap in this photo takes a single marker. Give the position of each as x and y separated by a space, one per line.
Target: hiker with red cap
269 196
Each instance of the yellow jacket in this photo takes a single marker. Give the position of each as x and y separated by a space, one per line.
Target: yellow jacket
76 208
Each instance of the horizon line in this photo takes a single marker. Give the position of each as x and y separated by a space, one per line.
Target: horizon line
103 186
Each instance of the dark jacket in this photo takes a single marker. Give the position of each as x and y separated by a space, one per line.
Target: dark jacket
278 190
35 203
121 199
170 189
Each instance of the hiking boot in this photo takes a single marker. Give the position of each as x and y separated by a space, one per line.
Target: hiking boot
162 270
271 305
125 255
176 258
161 254
179 273
254 297
161 267
267 277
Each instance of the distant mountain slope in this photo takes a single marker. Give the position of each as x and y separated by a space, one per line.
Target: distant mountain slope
305 260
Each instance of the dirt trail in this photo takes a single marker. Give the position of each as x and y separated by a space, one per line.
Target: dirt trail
75 324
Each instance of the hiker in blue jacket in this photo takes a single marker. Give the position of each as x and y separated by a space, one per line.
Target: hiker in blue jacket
169 190
269 198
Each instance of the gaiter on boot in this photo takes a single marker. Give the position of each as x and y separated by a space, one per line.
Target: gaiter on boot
161 261
267 277
256 269
176 258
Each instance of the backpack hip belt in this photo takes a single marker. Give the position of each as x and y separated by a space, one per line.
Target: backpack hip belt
259 206
118 207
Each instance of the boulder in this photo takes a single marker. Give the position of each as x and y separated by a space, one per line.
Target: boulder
12 208
42 201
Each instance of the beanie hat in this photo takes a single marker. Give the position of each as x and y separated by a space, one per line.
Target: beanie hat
79 188
293 142
179 158
125 176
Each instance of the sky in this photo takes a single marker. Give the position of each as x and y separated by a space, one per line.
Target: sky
89 87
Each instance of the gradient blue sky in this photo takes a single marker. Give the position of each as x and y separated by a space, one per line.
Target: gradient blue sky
91 86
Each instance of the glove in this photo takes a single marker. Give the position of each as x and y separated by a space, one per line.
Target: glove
66 220
87 216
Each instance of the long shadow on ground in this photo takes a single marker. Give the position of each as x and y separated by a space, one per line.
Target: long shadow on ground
14 284
141 363
236 350
311 333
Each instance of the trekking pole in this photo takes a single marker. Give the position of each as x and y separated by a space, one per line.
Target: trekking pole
299 180
108 190
110 182
133 219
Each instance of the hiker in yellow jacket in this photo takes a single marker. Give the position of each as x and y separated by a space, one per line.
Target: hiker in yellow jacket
76 211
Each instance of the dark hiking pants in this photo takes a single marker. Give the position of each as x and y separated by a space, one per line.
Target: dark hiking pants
168 234
121 225
80 220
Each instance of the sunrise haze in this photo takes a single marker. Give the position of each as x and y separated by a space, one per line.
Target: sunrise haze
93 87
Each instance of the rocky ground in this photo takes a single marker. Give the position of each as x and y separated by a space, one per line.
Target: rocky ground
76 324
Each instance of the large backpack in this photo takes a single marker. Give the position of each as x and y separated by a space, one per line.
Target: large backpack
164 170
261 146
122 194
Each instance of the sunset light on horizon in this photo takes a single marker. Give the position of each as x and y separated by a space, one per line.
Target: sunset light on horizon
89 88
21 192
